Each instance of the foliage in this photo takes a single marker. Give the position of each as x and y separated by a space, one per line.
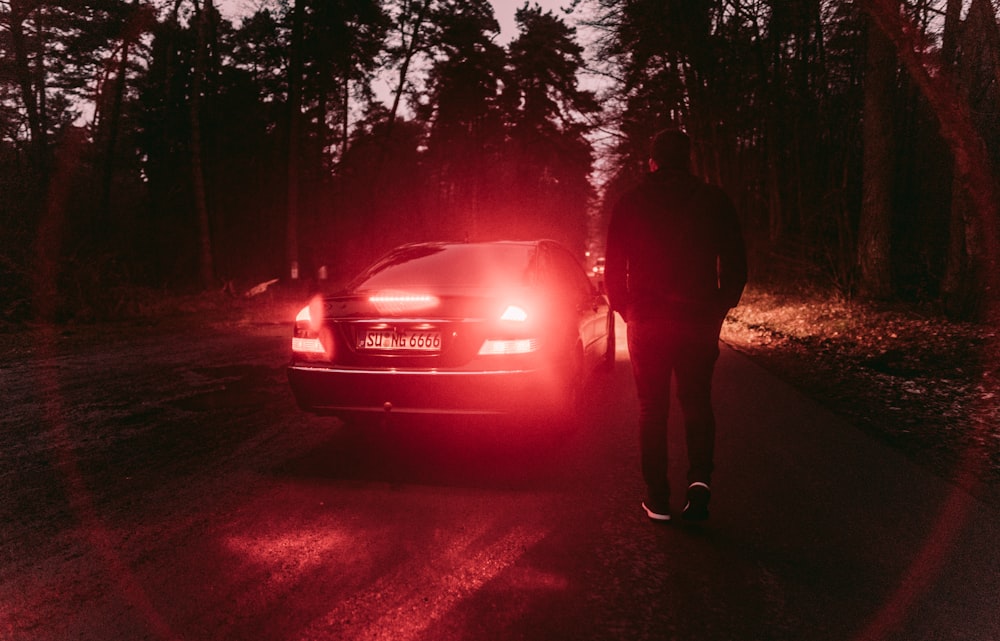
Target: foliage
774 95
138 138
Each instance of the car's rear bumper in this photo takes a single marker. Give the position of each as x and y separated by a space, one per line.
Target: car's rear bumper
345 391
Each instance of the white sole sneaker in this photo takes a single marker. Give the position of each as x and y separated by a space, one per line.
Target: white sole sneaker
697 506
656 516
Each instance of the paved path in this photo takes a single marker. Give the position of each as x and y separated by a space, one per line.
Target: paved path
819 531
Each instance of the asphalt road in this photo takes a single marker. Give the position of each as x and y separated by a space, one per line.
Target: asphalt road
159 483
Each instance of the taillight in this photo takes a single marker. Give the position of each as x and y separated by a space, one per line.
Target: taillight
514 313
494 347
307 341
514 321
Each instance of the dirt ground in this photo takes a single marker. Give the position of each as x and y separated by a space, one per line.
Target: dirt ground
928 386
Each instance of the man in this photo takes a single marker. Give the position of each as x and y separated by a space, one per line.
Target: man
675 265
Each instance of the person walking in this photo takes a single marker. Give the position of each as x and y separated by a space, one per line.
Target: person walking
675 263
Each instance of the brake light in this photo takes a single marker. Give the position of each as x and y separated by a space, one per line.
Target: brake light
515 314
515 344
401 302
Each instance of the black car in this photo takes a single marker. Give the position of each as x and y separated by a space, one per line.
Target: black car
455 328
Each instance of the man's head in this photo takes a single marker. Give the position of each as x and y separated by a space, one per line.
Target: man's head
671 149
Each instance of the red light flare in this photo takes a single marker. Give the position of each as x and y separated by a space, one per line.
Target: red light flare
972 167
96 534
101 539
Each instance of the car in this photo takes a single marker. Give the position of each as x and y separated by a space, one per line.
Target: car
505 328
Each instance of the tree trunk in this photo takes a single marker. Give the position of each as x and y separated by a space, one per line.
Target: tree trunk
972 163
971 263
29 90
345 131
131 33
294 134
954 290
874 259
411 50
206 267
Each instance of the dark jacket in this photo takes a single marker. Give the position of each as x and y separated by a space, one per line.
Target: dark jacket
675 250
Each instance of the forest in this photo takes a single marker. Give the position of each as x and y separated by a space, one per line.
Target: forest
150 147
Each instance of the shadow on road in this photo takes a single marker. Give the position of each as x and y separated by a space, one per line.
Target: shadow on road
480 452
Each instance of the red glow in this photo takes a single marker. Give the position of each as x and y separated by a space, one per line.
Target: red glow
316 315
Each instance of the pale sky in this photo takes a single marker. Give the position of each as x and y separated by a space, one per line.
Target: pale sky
504 10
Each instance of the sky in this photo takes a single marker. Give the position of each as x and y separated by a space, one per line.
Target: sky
504 9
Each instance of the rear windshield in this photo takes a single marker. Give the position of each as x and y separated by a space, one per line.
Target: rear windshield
451 267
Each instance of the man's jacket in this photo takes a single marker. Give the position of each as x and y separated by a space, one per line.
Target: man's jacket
675 250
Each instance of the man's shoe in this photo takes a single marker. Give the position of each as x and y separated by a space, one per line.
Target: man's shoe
656 510
698 495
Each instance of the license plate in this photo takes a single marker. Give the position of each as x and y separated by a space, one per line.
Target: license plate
393 341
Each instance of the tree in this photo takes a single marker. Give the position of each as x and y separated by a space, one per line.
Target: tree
547 150
295 117
463 112
973 167
876 207
111 98
411 20
970 265
25 45
203 16
341 42
334 44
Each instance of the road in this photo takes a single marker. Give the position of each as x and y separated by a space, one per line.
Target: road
158 482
